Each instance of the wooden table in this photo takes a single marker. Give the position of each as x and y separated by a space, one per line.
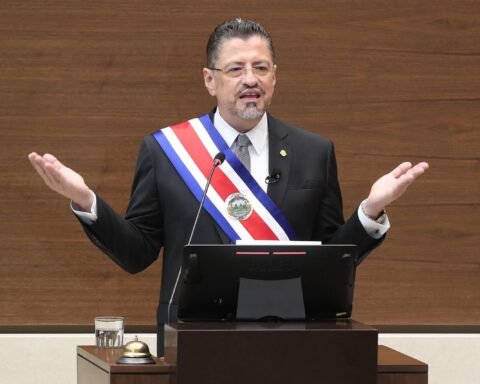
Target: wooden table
394 367
99 366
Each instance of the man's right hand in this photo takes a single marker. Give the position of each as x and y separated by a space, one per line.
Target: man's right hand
63 180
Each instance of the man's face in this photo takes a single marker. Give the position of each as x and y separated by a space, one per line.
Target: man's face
242 100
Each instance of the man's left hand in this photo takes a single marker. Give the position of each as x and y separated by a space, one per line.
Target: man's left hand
391 186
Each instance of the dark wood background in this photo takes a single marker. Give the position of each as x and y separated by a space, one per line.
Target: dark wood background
387 81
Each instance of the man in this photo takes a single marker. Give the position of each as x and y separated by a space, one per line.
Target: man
301 200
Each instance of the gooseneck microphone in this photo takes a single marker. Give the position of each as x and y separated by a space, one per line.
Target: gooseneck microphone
217 160
274 177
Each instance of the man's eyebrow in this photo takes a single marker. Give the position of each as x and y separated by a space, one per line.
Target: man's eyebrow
238 62
235 63
262 61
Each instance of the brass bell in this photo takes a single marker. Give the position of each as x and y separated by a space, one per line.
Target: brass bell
136 352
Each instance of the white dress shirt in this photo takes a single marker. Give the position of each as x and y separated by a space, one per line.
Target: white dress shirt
258 151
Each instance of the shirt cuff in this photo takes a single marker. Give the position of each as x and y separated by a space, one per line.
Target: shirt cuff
374 229
86 217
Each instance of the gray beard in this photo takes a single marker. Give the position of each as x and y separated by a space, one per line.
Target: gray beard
251 112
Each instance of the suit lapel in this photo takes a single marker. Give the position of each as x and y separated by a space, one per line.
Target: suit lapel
279 160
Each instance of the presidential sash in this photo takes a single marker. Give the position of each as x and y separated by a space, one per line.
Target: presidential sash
234 200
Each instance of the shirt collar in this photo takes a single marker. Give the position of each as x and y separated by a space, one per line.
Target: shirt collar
258 135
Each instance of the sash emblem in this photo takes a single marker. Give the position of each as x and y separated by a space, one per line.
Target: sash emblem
238 206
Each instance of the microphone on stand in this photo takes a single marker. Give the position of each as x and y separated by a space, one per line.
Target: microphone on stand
217 160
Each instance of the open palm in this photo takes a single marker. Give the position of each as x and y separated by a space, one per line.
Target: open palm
62 179
391 186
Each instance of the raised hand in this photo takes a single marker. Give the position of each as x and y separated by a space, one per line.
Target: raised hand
391 186
62 179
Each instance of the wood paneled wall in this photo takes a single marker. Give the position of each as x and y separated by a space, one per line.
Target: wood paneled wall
386 80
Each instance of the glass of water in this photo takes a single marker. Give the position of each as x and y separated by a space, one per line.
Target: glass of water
109 331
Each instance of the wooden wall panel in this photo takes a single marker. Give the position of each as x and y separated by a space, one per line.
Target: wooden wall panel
386 80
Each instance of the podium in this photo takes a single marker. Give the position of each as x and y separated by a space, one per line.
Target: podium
337 352
282 353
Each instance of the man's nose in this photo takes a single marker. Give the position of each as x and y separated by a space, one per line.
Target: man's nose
249 76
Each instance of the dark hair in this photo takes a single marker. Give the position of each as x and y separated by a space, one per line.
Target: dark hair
230 29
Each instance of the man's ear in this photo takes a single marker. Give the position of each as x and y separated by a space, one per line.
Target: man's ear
209 81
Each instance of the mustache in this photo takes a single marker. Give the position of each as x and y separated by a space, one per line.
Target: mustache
247 88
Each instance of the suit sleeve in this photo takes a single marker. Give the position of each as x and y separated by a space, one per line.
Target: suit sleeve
133 241
330 222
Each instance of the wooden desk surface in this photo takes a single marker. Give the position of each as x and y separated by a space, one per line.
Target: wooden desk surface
389 361
106 359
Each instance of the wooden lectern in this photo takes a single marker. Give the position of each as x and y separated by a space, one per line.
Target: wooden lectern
279 353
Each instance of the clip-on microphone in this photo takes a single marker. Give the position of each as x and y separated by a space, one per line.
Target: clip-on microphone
274 177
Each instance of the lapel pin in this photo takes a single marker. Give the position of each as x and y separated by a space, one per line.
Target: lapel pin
283 153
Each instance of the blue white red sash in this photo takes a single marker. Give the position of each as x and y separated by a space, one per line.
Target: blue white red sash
191 147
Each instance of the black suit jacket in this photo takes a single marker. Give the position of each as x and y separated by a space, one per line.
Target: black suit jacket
162 208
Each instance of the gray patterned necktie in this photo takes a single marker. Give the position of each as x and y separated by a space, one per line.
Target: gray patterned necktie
240 148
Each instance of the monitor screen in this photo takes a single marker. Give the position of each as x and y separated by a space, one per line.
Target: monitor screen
265 282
